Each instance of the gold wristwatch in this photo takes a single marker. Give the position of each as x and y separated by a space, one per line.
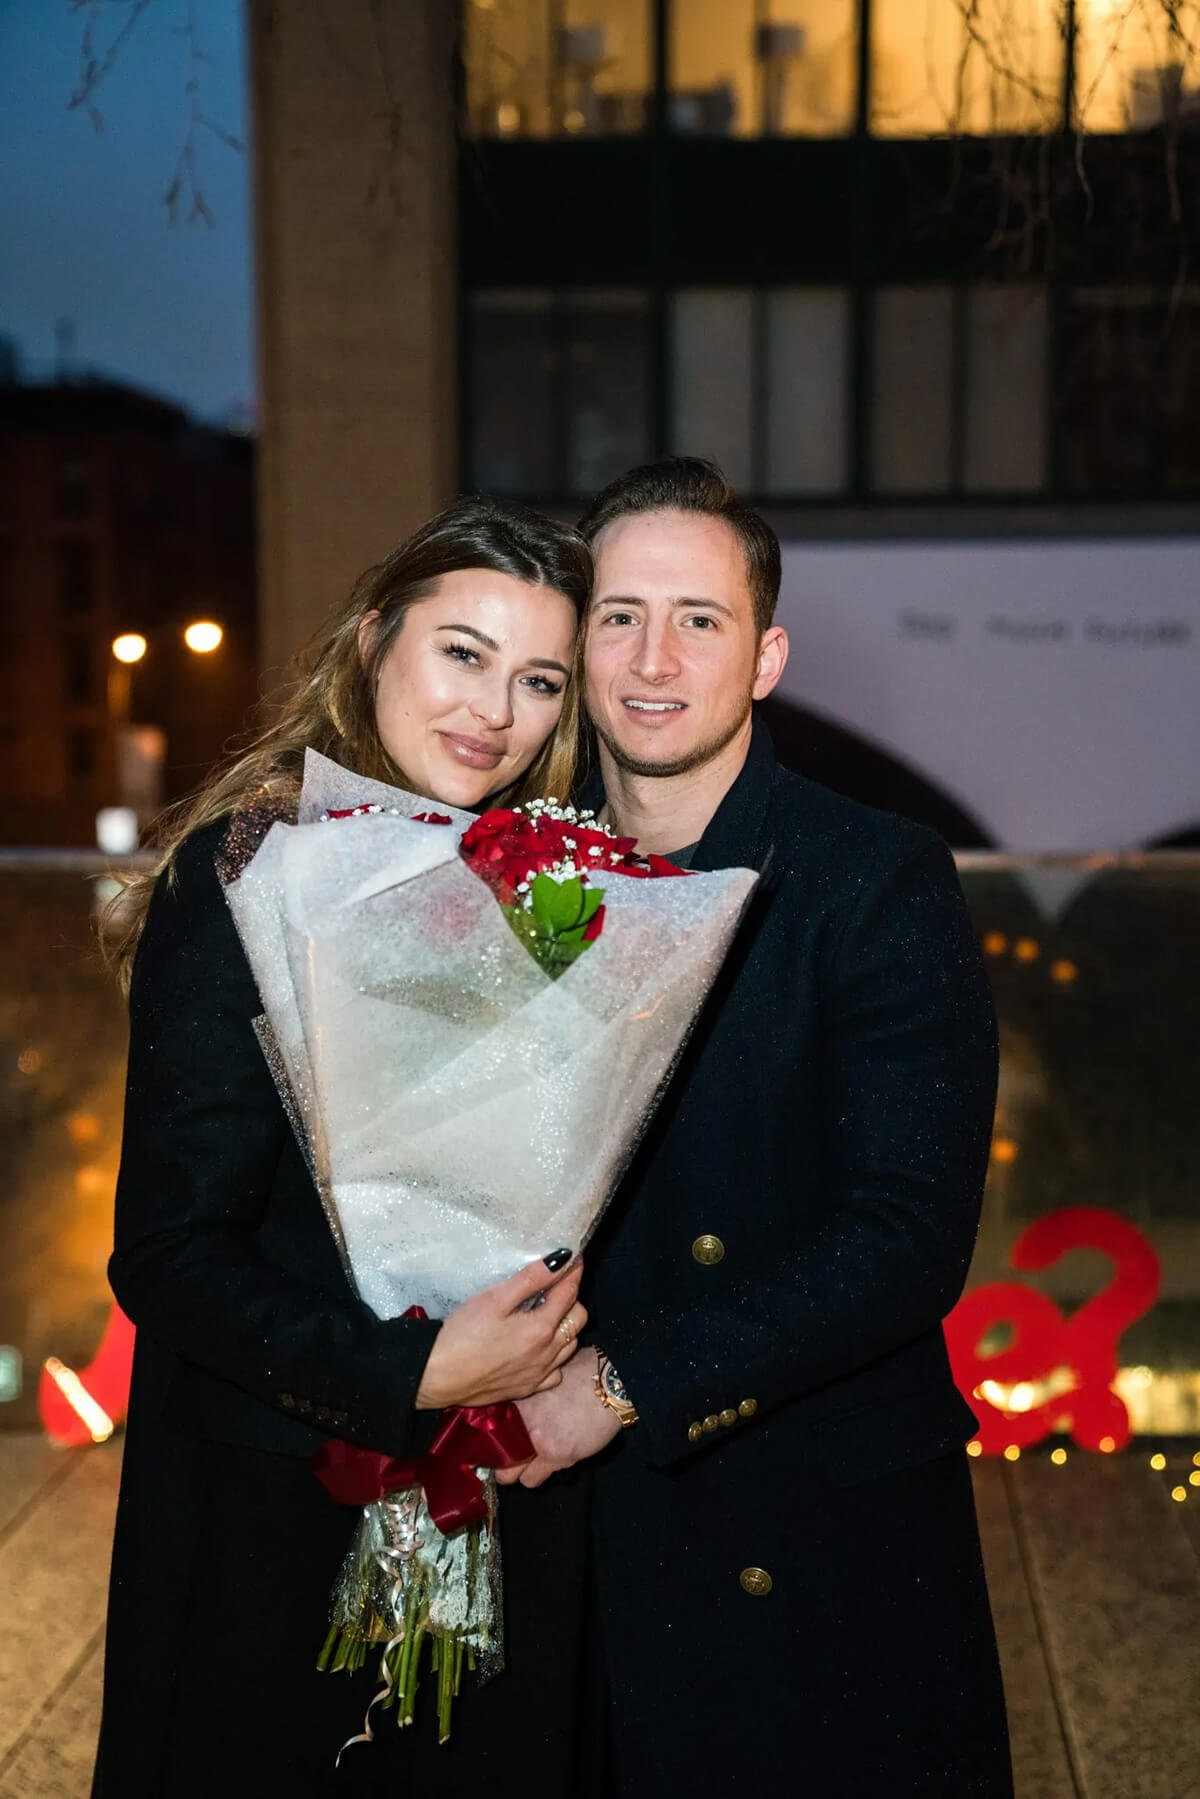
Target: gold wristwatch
610 1391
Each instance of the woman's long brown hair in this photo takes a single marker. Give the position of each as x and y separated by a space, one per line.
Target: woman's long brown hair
330 703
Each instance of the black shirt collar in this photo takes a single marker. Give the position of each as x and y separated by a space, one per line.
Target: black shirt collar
739 832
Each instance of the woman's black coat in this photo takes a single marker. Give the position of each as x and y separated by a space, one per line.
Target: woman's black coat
770 1284
251 1349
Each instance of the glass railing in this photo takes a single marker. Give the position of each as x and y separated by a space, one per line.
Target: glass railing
1095 1171
1095 964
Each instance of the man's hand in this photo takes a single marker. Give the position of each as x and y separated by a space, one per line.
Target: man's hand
567 1424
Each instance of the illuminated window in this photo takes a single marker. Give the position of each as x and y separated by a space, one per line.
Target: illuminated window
743 67
1135 66
577 69
996 66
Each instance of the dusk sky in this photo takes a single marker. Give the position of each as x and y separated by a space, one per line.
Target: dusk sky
83 225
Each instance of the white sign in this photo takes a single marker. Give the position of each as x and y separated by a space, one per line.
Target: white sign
1051 688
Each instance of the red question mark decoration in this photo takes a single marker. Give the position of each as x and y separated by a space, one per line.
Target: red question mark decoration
66 1399
1044 1340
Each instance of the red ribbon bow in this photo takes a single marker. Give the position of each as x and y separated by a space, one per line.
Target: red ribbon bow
468 1437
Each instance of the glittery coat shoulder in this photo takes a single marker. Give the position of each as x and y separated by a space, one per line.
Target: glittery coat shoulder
786 1540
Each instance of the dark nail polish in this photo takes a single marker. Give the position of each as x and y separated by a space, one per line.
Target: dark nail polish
558 1258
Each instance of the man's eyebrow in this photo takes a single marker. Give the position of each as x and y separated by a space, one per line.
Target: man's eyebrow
631 599
491 644
709 605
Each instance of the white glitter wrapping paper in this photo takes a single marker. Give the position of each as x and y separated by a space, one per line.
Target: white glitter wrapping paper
464 1113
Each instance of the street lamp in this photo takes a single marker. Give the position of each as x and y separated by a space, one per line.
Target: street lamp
203 636
139 750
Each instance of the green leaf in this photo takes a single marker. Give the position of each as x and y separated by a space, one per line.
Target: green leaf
593 899
554 930
557 904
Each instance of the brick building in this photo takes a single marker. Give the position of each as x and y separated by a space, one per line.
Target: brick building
118 515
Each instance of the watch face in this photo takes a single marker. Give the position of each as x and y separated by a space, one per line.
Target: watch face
615 1384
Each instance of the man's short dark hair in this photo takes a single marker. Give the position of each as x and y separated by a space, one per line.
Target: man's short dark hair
690 484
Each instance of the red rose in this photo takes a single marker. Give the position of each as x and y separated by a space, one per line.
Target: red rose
502 848
649 868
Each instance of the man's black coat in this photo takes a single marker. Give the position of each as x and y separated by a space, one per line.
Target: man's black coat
789 1585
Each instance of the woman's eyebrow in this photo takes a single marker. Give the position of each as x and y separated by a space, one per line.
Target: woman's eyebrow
491 644
470 631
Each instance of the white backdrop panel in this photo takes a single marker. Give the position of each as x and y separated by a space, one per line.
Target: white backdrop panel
1052 688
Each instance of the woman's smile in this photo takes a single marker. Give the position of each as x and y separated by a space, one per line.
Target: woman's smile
474 751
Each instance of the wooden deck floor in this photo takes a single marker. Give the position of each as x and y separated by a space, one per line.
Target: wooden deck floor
1094 1569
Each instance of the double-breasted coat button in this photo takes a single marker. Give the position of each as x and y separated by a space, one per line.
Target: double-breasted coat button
708 1250
748 1408
695 1432
727 1417
710 1423
756 1581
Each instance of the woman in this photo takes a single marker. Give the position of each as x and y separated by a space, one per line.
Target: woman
450 672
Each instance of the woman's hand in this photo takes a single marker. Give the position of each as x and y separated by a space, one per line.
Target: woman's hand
490 1349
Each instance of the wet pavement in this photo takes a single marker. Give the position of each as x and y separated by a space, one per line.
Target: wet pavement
1094 1569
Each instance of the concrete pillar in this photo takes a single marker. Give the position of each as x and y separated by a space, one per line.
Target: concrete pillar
353 126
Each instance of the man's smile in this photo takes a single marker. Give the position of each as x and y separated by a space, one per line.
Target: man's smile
654 708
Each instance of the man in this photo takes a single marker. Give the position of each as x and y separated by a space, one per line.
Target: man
790 1595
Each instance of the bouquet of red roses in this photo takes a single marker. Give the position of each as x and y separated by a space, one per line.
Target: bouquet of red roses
470 1021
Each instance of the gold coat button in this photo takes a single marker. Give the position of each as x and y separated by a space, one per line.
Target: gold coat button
756 1581
748 1408
695 1432
727 1417
708 1250
710 1423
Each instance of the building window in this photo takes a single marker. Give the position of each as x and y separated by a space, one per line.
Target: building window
1004 448
807 362
607 387
1130 391
560 389
1136 67
511 392
81 754
75 578
79 665
911 425
73 496
996 66
743 68
571 68
712 378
